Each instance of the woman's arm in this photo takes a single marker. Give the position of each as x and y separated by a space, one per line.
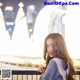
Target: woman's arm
50 71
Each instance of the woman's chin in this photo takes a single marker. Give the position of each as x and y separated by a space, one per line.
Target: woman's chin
51 55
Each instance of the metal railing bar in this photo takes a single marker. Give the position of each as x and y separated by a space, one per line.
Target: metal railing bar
25 72
22 77
77 72
17 77
32 77
32 72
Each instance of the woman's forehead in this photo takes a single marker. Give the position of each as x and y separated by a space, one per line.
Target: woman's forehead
49 41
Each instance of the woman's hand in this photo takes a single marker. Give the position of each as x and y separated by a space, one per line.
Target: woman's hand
41 68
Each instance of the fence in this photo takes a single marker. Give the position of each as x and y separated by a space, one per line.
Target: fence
30 75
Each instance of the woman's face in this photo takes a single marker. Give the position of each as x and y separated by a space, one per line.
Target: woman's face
50 47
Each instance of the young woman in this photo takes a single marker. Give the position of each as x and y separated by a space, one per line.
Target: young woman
55 51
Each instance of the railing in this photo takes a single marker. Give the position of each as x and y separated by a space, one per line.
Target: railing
30 75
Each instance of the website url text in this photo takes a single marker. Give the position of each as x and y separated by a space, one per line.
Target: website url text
61 3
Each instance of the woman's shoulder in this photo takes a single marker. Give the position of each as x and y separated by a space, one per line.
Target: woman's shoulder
59 62
54 60
52 63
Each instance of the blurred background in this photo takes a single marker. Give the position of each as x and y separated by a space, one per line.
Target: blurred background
24 24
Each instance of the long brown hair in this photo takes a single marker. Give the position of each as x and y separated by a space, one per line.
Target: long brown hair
60 51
